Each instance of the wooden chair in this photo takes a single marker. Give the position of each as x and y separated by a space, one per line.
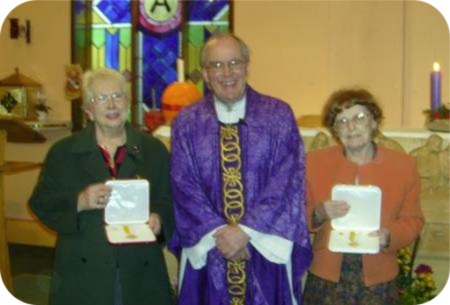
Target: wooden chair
11 130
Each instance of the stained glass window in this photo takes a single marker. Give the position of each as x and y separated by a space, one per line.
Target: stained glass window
108 25
164 30
205 18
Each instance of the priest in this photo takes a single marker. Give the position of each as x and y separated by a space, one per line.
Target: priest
237 174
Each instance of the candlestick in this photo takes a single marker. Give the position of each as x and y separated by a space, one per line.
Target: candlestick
180 70
436 87
153 103
153 117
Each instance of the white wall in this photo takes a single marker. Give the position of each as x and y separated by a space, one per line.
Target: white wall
303 50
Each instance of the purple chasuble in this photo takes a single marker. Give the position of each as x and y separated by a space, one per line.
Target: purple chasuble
273 174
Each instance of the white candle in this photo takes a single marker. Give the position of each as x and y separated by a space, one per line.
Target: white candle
180 70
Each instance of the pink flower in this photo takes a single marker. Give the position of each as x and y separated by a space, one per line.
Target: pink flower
422 268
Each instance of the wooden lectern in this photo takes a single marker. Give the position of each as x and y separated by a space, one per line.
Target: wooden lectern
12 130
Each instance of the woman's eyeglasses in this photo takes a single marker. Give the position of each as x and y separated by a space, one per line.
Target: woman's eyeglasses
104 98
359 120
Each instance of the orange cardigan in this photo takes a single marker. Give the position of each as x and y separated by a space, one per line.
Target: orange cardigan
396 175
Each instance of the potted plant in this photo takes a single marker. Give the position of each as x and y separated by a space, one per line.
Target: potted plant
415 287
438 120
41 106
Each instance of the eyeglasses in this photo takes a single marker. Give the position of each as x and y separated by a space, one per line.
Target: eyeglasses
104 98
219 66
358 120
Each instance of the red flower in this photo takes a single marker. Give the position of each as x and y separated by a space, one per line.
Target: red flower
442 113
422 268
436 115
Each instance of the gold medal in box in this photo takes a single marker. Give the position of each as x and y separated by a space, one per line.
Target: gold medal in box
351 233
128 211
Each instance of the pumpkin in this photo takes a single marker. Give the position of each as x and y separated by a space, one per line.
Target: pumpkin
176 96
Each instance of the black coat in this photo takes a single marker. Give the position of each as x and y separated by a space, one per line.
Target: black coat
85 263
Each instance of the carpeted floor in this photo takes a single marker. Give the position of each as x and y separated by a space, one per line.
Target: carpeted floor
31 269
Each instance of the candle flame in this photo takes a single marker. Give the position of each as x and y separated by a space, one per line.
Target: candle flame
436 67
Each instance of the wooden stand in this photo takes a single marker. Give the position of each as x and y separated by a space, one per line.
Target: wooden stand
19 132
11 168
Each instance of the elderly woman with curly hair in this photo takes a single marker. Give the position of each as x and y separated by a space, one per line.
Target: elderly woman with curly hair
353 117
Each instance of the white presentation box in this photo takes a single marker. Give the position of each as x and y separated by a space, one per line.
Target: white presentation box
350 234
127 212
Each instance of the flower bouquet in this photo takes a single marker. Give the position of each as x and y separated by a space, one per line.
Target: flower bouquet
42 111
42 107
415 288
438 120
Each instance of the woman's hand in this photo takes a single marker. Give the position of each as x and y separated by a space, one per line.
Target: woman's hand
154 222
385 237
331 209
94 196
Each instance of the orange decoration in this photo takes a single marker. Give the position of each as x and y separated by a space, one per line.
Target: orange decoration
176 96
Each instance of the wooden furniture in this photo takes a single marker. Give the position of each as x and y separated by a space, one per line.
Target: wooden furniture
4 255
19 131
8 168
310 120
22 227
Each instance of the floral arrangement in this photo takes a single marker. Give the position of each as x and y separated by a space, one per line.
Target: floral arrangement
442 113
438 120
41 102
418 287
42 107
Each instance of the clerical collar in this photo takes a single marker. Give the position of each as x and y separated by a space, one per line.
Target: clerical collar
230 113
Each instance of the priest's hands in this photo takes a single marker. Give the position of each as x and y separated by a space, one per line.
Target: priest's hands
232 242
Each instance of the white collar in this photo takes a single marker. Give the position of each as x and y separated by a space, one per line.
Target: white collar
230 113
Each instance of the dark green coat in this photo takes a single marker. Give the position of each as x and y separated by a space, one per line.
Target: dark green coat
85 264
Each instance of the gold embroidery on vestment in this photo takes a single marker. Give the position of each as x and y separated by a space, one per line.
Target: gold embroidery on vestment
233 199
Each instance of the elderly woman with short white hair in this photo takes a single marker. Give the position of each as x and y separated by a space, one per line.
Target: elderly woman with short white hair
71 195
